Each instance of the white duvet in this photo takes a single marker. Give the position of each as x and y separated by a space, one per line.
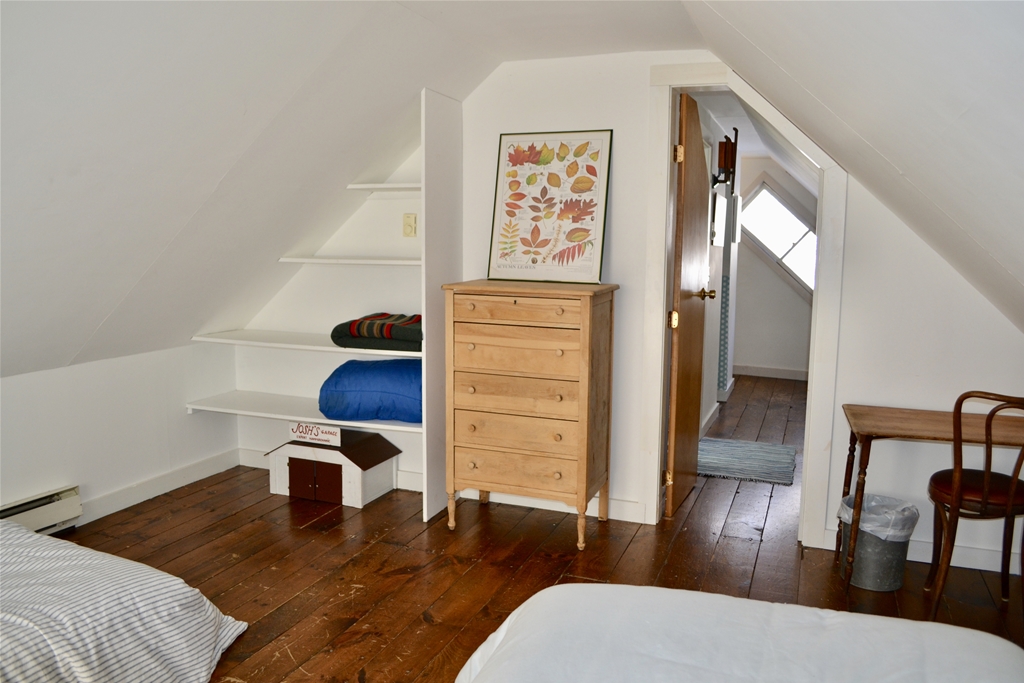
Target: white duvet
580 632
69 613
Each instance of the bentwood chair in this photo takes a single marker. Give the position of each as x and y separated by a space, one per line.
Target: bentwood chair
974 494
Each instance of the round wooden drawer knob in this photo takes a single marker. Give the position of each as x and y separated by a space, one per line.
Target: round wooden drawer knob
471 465
558 475
558 437
471 390
470 346
471 428
558 398
471 306
559 311
559 352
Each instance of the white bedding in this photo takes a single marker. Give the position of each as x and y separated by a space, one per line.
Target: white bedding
69 613
578 632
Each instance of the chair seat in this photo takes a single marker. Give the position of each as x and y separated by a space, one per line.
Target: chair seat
940 490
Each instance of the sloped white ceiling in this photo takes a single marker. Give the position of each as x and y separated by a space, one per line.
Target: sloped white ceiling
158 158
921 101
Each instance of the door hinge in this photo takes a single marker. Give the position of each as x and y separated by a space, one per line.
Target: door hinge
673 319
678 152
666 477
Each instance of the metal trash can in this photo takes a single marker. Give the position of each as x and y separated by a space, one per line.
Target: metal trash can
886 525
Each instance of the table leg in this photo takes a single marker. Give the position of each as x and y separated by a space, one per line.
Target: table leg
485 497
858 501
846 490
451 511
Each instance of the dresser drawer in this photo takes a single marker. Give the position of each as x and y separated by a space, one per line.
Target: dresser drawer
544 397
489 470
474 428
543 351
562 312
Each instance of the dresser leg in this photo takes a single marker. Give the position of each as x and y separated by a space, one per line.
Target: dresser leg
485 497
581 530
602 504
451 511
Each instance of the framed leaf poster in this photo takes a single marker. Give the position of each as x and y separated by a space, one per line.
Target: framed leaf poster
549 206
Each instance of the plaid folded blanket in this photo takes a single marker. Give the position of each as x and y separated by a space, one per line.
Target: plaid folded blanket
381 331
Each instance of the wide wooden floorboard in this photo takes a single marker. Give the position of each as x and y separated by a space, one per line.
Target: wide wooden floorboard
333 593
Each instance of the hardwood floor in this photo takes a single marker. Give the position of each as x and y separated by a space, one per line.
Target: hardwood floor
333 593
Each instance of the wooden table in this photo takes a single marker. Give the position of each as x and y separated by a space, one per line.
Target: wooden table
868 423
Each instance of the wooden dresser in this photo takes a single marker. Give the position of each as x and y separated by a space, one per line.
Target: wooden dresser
528 374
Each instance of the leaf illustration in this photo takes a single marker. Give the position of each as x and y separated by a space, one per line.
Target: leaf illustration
512 205
582 184
572 169
510 214
507 243
554 180
519 156
514 185
543 193
537 219
534 208
581 150
594 155
591 170
531 179
571 253
577 235
548 214
577 209
546 156
563 151
517 196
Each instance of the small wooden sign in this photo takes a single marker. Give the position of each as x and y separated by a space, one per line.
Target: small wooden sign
314 433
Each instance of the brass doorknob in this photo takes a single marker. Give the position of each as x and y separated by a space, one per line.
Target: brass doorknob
704 293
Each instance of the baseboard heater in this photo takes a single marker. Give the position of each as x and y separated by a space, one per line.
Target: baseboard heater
46 513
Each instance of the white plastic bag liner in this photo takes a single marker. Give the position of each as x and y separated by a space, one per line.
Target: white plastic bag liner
890 519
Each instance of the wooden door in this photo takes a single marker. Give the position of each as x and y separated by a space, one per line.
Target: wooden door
689 277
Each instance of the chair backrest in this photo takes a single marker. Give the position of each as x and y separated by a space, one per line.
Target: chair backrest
1003 402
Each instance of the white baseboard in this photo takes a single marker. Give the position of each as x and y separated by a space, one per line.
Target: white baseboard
251 458
777 373
160 484
622 510
710 419
988 559
724 395
409 481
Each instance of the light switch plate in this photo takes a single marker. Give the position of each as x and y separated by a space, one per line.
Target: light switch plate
408 225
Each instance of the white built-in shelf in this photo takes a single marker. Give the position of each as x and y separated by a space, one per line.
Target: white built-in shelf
290 408
386 187
344 261
298 341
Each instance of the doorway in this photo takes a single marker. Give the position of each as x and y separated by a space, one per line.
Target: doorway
830 221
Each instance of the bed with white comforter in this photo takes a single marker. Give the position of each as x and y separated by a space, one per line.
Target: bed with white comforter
68 613
580 632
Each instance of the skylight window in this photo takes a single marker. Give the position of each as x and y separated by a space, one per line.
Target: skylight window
779 232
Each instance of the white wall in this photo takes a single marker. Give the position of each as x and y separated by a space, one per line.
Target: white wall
773 323
117 428
914 334
606 91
